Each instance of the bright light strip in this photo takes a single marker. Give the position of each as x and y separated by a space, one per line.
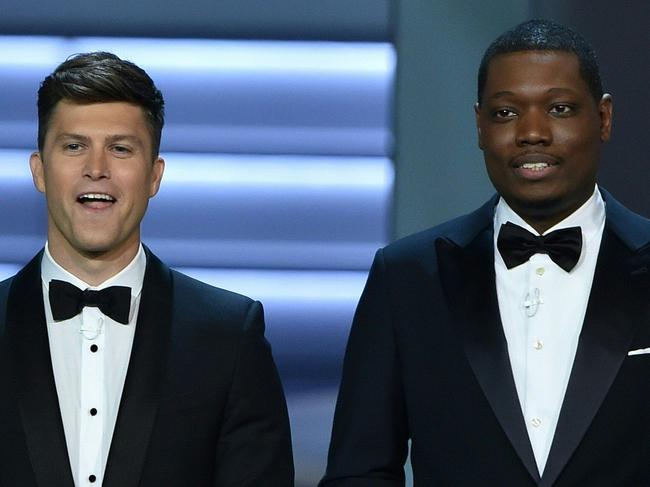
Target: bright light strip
320 286
249 170
14 164
207 54
300 171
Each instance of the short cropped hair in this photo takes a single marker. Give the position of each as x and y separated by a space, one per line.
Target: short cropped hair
101 77
544 35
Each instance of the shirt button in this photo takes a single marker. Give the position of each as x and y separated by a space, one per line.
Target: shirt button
91 478
94 348
536 422
93 412
538 344
539 271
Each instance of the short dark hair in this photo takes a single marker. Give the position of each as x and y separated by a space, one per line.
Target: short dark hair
99 77
544 35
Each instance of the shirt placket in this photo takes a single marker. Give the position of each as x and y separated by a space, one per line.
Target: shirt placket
537 354
92 397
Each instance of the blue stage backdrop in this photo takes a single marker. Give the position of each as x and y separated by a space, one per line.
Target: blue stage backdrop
278 185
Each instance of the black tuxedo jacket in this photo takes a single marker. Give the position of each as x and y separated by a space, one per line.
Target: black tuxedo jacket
202 403
427 361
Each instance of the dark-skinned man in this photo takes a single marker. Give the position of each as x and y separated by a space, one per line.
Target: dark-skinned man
508 345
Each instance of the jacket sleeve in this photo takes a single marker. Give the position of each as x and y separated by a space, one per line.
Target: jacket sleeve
370 434
254 446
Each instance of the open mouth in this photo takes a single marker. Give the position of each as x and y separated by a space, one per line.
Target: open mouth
535 166
96 200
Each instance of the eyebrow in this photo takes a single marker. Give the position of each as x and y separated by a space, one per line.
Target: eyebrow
68 135
129 138
570 91
500 94
109 139
550 91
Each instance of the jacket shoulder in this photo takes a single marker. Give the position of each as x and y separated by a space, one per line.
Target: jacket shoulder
5 286
459 231
201 289
633 229
199 302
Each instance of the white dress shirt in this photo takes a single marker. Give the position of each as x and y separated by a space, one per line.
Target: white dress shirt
542 309
90 356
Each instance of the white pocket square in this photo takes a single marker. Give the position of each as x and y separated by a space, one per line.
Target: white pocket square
639 351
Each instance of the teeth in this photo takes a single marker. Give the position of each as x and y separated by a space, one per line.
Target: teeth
96 196
535 166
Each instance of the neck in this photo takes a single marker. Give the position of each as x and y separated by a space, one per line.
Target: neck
93 267
541 225
543 217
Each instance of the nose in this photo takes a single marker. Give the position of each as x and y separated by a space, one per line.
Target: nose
533 129
97 166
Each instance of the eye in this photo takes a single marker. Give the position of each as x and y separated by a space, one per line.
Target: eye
121 150
503 114
561 109
72 147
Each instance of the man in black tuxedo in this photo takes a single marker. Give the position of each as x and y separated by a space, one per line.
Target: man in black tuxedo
114 369
510 345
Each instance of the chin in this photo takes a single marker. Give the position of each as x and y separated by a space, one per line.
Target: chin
544 206
94 250
94 246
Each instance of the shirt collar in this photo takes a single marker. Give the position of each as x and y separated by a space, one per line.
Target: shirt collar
131 276
589 217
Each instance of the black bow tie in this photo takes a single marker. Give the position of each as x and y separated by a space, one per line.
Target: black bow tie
67 301
516 245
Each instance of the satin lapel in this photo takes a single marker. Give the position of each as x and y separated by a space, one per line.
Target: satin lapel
34 379
617 305
140 396
469 281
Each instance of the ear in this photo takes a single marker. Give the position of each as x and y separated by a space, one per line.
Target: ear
36 166
477 113
157 171
605 109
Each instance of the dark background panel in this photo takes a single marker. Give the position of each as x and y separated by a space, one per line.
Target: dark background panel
340 20
439 169
620 33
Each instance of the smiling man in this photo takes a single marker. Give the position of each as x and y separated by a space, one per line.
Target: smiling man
114 369
509 345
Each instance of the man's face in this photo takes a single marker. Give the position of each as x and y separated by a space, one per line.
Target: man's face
540 131
97 172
